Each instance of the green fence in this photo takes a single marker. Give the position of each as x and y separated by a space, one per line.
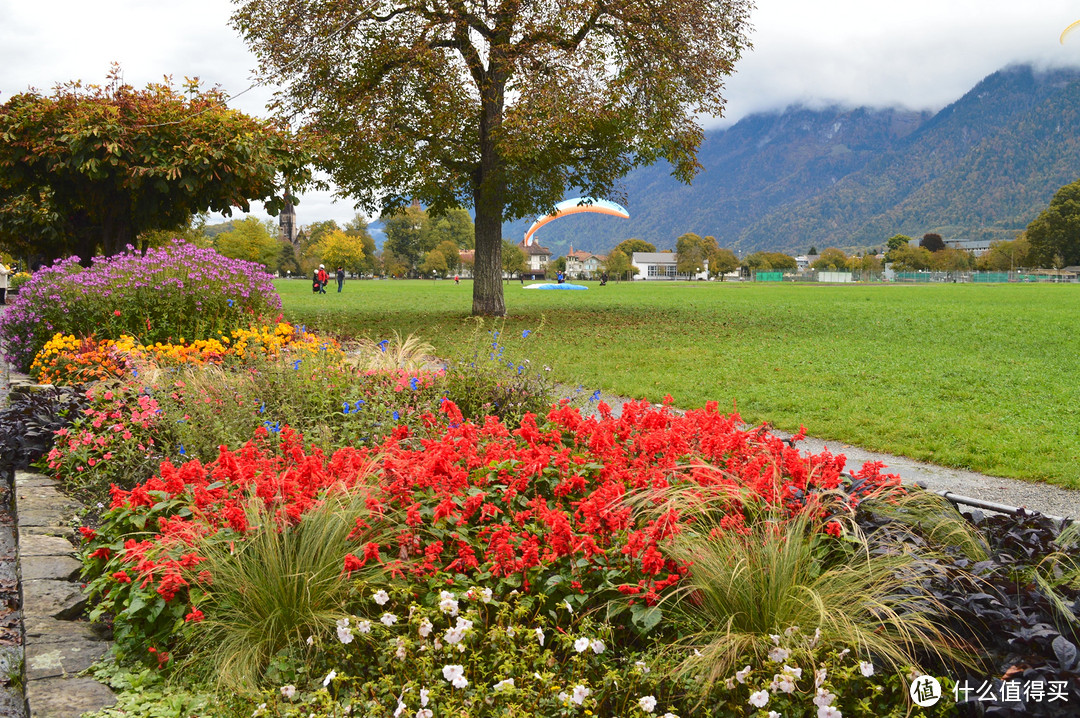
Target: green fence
995 277
768 276
912 276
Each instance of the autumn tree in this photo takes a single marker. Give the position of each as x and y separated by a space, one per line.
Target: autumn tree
434 264
513 258
694 253
1054 235
909 258
764 261
1005 256
505 107
90 168
617 264
629 246
950 260
252 239
726 261
340 249
831 260
895 242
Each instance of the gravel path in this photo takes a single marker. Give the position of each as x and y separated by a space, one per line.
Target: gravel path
1036 496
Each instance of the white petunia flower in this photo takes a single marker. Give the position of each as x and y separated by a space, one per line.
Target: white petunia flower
425 627
829 712
642 666
510 631
343 633
454 635
759 699
486 595
400 653
564 697
785 683
775 638
740 676
867 668
823 698
779 655
729 683
774 714
647 703
448 603
329 677
455 674
288 692
790 630
581 645
795 673
424 713
597 646
381 597
672 715
364 626
505 685
579 694
388 619
310 640
424 695
819 677
540 635
401 708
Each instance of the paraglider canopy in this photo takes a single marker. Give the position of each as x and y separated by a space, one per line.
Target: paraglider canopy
574 206
1069 29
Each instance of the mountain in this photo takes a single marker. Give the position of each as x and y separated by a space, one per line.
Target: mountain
982 167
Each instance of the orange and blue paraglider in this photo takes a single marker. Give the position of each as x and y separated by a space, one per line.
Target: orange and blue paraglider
574 206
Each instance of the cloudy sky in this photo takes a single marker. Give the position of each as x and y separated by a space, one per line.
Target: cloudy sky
921 54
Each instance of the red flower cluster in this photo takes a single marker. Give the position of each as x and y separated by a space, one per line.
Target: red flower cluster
523 506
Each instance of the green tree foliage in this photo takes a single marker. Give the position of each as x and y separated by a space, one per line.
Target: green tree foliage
1054 235
358 227
950 260
869 263
450 252
617 264
629 246
505 107
513 258
831 260
455 226
909 258
404 231
932 241
555 266
897 241
89 169
725 262
693 253
252 239
434 264
764 261
1005 256
391 265
287 263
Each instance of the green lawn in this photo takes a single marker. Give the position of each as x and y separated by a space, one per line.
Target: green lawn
985 377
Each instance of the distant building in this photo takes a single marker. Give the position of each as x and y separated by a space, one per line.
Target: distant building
536 259
653 266
287 224
977 247
583 265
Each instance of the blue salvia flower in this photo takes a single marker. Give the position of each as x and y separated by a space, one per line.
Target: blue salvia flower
520 369
345 407
383 344
414 384
182 450
296 365
359 403
397 416
525 334
135 372
230 302
595 396
262 407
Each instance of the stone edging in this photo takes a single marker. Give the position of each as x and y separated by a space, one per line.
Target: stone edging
58 644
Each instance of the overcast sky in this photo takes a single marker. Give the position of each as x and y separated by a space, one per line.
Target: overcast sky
921 54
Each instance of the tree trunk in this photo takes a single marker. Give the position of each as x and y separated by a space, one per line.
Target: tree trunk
489 197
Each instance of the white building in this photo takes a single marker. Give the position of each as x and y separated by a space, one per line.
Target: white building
583 265
652 266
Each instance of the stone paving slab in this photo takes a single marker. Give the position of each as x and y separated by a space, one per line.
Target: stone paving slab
62 657
66 697
59 568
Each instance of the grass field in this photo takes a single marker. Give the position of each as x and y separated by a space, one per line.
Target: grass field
985 377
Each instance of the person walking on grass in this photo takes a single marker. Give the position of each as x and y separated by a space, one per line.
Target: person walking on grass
340 278
323 278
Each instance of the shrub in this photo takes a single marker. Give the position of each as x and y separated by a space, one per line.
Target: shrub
280 586
176 292
29 422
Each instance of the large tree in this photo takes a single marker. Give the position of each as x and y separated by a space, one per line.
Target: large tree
504 106
252 239
90 168
1054 235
